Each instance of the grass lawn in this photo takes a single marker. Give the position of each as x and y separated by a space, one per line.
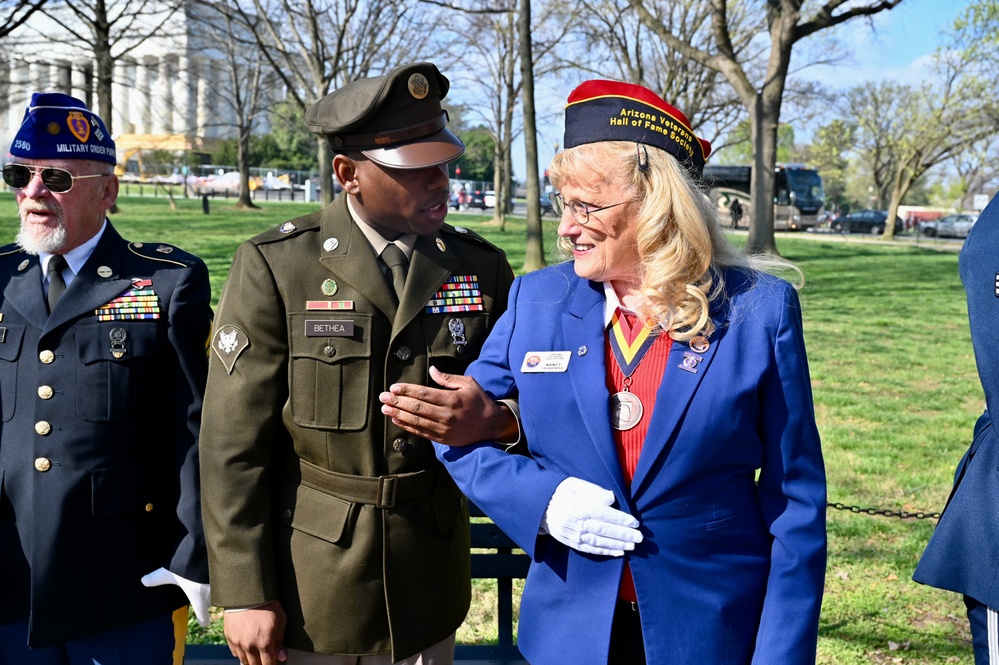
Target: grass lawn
896 394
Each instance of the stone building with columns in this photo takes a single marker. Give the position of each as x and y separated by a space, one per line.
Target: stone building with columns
168 92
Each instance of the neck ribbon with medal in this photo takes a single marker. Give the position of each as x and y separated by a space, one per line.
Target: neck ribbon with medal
630 345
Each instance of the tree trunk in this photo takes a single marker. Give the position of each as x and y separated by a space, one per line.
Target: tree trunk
763 134
244 170
325 169
534 255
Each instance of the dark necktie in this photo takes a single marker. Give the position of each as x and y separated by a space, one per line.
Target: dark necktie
397 264
57 263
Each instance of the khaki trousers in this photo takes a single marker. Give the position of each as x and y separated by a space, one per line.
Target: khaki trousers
441 653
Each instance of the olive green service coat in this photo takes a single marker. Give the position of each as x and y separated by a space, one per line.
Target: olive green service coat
293 440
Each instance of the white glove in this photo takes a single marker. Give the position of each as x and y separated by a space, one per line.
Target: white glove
579 515
197 593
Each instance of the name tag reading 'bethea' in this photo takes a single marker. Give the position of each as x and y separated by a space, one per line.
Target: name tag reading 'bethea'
546 361
325 328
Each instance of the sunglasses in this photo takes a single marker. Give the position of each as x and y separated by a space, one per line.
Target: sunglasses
58 181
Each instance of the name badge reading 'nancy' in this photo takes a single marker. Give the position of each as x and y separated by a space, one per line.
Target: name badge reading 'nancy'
546 361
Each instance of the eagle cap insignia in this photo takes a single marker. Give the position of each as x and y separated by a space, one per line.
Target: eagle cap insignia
228 343
419 86
78 126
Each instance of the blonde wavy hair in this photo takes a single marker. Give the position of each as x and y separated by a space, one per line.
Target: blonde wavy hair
680 243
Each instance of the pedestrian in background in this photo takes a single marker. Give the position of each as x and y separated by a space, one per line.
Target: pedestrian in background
334 536
102 372
963 553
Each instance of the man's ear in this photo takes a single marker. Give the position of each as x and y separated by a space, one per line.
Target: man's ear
345 171
110 194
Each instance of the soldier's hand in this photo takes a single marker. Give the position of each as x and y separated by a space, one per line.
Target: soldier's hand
256 636
458 415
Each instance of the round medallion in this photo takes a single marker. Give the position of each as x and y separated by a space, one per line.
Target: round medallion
330 244
626 410
104 271
22 265
403 353
440 245
419 86
53 128
329 287
699 344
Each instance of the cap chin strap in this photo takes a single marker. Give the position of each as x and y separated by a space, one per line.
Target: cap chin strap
391 137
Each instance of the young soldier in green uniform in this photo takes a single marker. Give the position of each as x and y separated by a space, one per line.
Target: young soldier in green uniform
335 536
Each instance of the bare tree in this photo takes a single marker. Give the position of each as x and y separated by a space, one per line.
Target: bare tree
313 46
762 98
611 35
109 30
14 14
246 91
909 130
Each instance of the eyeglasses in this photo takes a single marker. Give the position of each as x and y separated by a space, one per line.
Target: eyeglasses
580 211
58 181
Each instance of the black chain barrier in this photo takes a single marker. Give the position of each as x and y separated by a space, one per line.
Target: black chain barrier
883 513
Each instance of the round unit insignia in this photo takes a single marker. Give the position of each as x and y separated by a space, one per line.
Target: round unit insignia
699 344
441 246
329 287
22 265
53 128
330 244
104 271
419 87
287 227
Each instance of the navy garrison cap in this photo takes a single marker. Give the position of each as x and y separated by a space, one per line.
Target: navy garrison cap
395 120
601 110
57 126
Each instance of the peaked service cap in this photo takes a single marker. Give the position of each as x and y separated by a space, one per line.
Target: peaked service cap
394 120
57 126
600 110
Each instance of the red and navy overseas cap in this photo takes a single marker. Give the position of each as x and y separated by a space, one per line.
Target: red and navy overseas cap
601 110
57 126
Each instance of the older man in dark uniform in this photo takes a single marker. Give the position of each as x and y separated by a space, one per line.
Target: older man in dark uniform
334 535
102 369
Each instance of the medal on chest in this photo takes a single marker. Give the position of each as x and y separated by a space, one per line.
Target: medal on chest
629 345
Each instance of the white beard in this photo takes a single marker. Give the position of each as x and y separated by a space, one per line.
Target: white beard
37 239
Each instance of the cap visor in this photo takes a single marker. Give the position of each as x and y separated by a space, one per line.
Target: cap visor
436 149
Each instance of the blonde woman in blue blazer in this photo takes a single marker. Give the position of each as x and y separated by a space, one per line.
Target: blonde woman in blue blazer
702 540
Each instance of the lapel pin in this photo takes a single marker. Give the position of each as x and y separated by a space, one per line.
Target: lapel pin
690 362
440 245
582 351
699 344
104 271
287 227
329 287
330 244
22 265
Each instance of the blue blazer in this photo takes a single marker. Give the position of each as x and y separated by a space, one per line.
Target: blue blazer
963 553
731 569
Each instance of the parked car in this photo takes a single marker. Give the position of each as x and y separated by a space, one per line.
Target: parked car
477 199
864 221
951 226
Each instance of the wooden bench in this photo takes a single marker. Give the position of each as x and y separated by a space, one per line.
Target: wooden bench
502 564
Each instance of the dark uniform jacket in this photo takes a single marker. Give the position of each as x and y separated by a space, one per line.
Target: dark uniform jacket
963 554
311 495
98 455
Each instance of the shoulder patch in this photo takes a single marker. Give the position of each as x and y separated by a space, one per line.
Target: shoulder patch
465 234
290 229
228 343
12 248
163 252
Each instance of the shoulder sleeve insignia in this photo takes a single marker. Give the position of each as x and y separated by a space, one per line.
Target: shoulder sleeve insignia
229 342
